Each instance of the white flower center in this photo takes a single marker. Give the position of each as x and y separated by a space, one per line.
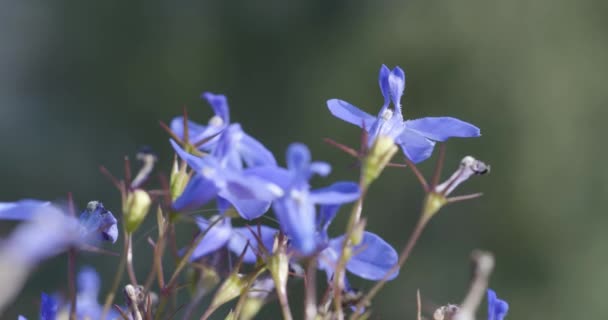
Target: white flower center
216 121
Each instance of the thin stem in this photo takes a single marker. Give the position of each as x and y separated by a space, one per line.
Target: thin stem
438 166
72 265
464 197
115 283
283 302
418 174
483 266
419 305
405 253
72 282
310 302
129 250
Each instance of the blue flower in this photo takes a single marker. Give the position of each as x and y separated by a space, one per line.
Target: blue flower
198 132
98 222
372 259
87 304
497 308
295 209
222 179
222 234
416 137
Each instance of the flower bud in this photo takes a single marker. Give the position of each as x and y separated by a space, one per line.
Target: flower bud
135 209
380 154
178 181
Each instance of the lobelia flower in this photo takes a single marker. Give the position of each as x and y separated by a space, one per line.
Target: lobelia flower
48 308
415 137
372 259
222 234
222 175
295 209
497 308
198 132
47 231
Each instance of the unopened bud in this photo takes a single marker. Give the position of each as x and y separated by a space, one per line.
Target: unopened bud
256 297
232 287
136 208
178 181
380 154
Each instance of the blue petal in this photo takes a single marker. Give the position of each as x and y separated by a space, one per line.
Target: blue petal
48 307
442 128
22 209
20 317
196 132
320 168
497 308
254 153
216 237
396 82
349 113
249 209
326 215
337 193
47 234
240 236
193 161
373 258
297 219
99 222
298 158
384 86
198 192
219 104
275 175
415 146
88 282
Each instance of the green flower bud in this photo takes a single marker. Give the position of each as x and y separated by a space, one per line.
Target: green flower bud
380 154
178 181
356 235
135 209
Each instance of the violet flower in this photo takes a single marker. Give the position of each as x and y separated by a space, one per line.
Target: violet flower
497 308
295 209
416 137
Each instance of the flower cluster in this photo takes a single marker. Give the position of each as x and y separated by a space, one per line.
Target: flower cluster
239 251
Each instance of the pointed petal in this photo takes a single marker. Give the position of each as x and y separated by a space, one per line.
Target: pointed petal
415 146
442 128
280 177
198 192
216 237
384 86
396 82
240 236
298 158
193 161
254 153
327 213
349 113
497 308
249 209
22 209
297 219
373 257
337 193
219 103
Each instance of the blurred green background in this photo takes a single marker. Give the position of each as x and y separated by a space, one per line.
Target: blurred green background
85 83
